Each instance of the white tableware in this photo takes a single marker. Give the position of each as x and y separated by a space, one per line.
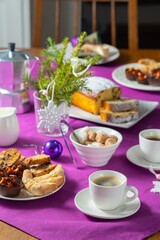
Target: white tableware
135 156
145 107
113 53
92 155
119 76
9 126
108 189
26 196
149 142
85 204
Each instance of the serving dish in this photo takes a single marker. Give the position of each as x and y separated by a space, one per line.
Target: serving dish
145 107
119 76
114 53
26 196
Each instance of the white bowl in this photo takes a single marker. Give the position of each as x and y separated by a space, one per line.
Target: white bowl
96 156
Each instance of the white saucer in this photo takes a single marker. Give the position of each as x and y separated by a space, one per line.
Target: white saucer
134 155
85 204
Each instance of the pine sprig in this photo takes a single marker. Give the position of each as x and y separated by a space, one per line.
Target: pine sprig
56 74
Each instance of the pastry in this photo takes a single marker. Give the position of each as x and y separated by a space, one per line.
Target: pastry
119 117
148 65
120 105
42 169
154 79
142 77
10 186
45 184
100 49
9 157
147 73
131 73
100 90
38 159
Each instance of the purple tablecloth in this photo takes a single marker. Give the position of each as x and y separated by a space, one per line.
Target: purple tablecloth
56 217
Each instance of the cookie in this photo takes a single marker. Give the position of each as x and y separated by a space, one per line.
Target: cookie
42 169
9 157
38 159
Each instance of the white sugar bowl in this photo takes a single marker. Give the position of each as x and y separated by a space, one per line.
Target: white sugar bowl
9 126
93 155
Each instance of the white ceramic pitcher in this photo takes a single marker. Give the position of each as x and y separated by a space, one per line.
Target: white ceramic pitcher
9 126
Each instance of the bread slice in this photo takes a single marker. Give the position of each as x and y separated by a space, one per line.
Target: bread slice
118 117
120 105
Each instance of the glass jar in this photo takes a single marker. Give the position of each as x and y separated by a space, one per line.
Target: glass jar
48 116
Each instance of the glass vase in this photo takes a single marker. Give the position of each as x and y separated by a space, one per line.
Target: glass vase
48 116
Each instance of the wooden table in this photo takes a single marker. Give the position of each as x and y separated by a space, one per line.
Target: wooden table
126 56
9 232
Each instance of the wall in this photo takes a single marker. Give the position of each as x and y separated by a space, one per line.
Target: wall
15 22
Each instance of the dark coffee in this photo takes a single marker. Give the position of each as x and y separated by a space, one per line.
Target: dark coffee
107 181
153 138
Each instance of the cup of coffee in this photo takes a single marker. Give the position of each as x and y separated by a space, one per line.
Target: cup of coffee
108 189
149 142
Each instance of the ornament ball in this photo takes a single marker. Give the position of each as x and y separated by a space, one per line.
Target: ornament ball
53 148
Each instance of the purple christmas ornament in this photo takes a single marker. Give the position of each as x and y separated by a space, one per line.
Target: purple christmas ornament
53 148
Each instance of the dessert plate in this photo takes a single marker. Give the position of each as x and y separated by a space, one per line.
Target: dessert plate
26 196
113 53
85 204
119 76
145 107
134 155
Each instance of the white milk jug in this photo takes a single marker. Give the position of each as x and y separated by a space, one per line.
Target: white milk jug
9 126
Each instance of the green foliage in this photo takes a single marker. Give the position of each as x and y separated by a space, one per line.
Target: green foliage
56 73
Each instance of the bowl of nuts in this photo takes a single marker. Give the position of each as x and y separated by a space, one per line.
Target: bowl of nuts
95 145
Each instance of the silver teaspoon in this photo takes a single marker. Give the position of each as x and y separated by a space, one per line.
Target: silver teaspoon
152 171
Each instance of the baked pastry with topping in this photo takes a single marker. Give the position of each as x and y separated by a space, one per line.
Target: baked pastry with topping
100 90
10 186
142 77
154 79
131 73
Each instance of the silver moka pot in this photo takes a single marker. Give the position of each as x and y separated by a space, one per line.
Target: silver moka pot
13 65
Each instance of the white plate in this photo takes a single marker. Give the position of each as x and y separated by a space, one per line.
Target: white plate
134 155
145 107
26 196
113 53
85 204
119 76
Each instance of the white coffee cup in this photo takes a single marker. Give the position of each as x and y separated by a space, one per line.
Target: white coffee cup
108 189
149 142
